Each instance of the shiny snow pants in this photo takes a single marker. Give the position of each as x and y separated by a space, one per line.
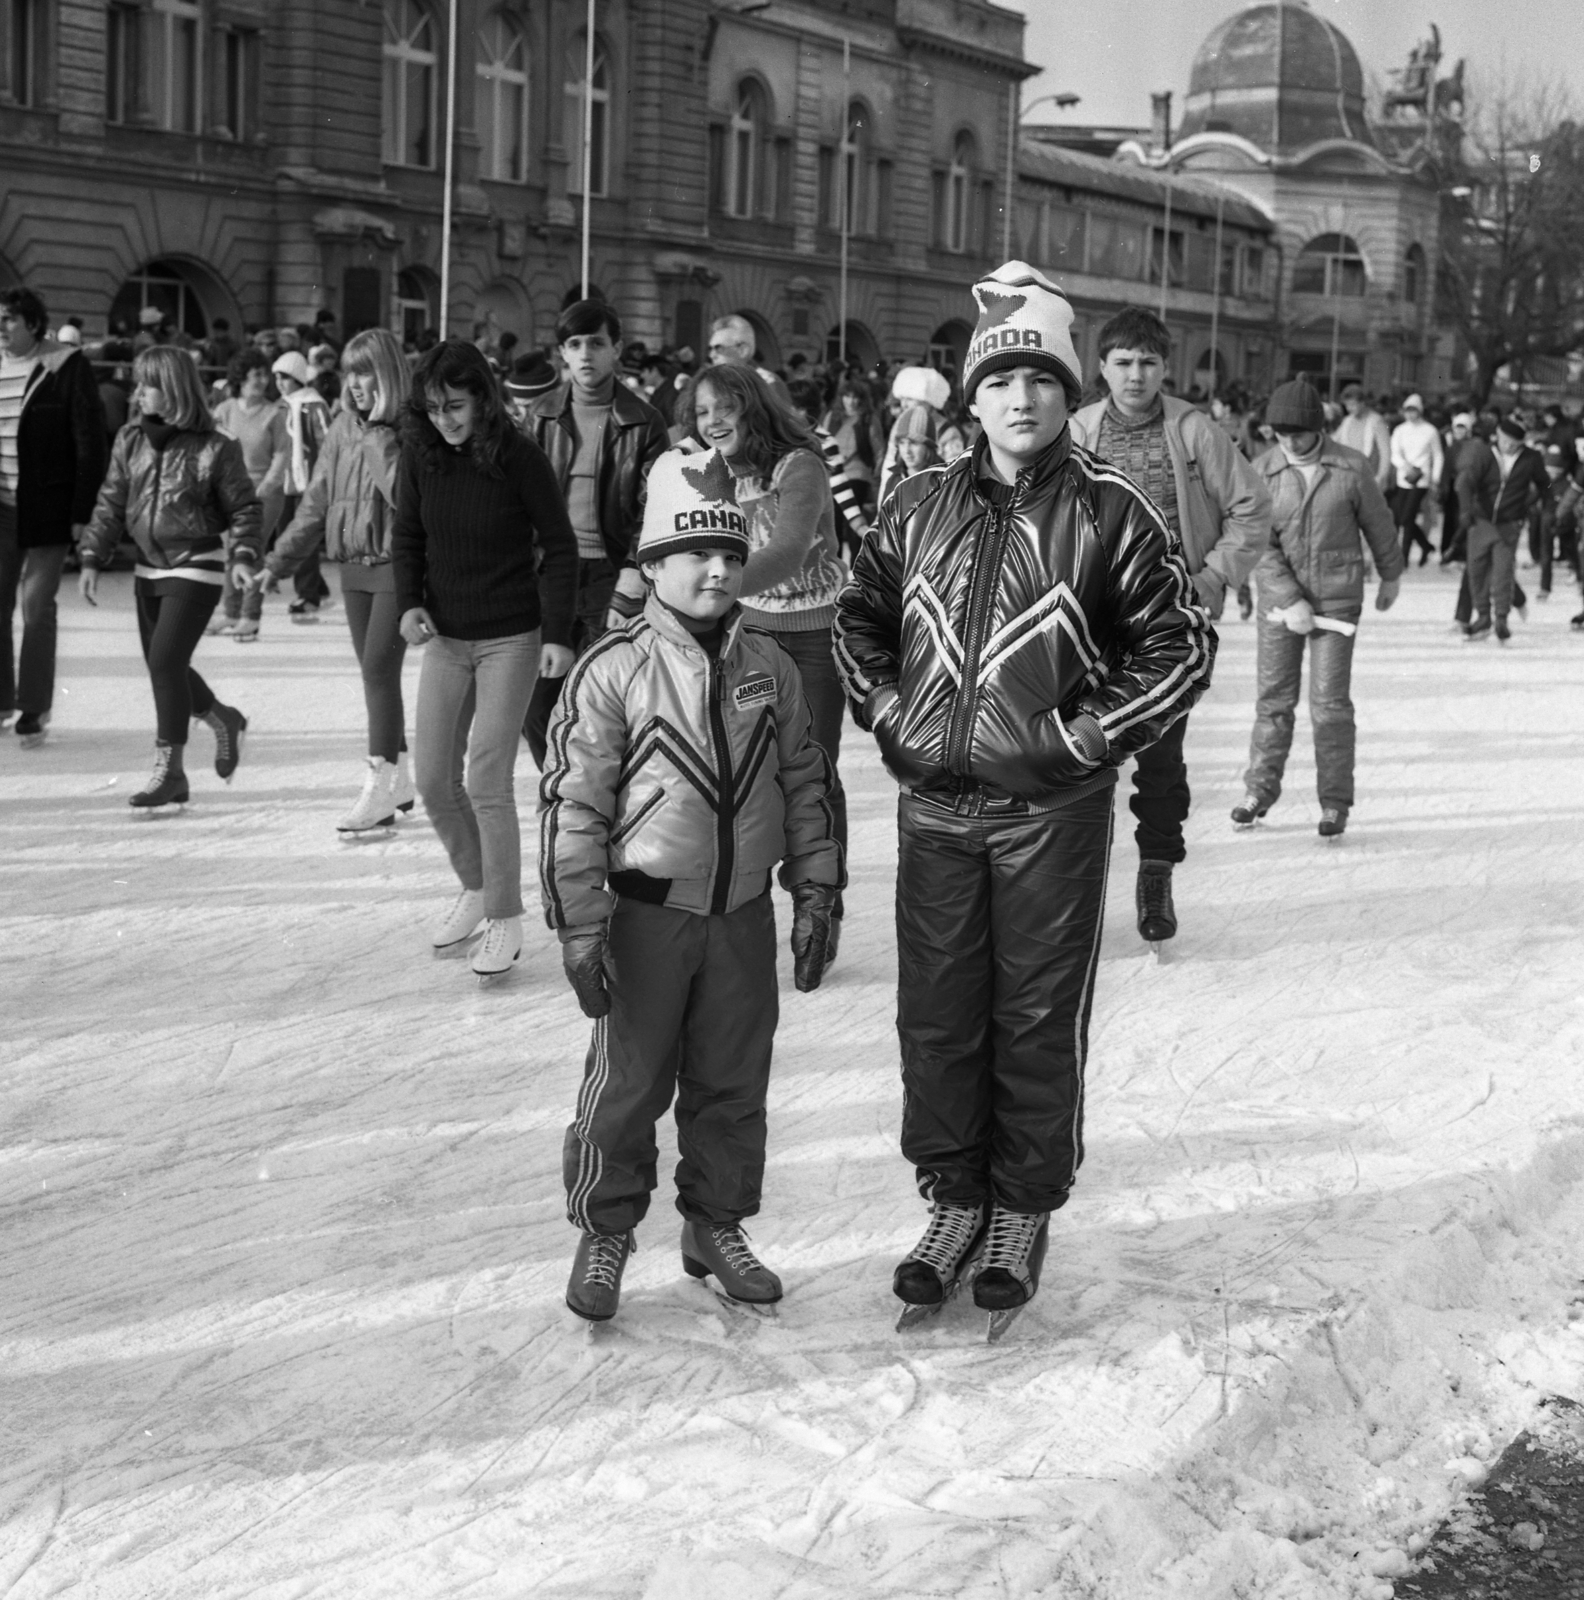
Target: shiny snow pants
694 1004
998 937
1278 678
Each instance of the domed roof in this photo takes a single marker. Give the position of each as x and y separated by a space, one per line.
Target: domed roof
1281 77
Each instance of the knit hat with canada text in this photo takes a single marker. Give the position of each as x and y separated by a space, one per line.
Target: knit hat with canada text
692 505
1024 321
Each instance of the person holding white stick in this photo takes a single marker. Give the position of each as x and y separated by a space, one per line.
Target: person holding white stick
1326 506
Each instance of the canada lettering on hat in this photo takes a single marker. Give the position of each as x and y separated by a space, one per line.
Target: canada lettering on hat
1024 320
692 505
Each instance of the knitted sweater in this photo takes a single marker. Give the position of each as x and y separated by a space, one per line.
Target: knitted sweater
1138 446
794 572
465 545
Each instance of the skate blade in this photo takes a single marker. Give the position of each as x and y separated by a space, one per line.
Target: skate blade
454 950
764 1310
488 980
380 830
917 1316
149 813
1000 1322
1158 951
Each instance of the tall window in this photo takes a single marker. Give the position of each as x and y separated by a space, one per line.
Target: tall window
121 25
855 170
23 74
746 147
1413 274
1330 265
173 64
410 79
502 111
238 66
959 194
599 126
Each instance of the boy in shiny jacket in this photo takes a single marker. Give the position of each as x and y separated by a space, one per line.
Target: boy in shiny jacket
1017 624
679 772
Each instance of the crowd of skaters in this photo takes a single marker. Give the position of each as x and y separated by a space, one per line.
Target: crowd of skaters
673 578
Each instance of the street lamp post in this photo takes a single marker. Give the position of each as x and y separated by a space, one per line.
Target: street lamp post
1065 100
450 170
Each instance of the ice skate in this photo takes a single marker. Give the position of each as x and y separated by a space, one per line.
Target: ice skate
1333 822
460 923
1157 916
374 810
929 1275
246 631
594 1289
722 1249
1503 633
303 611
229 725
1249 810
219 623
1477 632
1577 623
165 793
498 950
30 729
1009 1266
403 791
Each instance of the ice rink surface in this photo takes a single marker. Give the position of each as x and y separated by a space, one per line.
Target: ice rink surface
282 1247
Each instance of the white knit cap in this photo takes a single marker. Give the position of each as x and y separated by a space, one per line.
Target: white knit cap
922 386
1414 403
692 505
294 364
1464 419
1024 321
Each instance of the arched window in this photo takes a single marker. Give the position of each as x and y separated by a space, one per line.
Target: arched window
599 125
411 55
745 177
959 193
173 64
502 111
1331 264
1413 274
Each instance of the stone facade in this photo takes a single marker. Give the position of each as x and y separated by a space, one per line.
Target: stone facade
122 190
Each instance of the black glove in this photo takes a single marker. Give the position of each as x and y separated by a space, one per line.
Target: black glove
583 957
812 905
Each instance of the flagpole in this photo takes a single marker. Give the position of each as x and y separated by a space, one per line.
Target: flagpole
450 168
845 189
588 144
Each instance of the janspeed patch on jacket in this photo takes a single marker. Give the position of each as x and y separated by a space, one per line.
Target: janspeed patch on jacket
754 691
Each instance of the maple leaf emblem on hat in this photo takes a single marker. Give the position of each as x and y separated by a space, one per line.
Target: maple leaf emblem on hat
998 308
713 481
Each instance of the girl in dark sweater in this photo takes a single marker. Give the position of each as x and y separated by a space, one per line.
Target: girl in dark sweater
486 580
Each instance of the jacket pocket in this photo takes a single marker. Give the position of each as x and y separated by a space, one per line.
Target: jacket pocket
634 820
1340 575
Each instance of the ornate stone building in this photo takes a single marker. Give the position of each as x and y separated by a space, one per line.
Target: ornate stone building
259 159
1276 110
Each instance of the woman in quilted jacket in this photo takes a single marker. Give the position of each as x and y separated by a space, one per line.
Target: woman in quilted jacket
181 490
350 509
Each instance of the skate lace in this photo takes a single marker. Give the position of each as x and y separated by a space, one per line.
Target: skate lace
1010 1237
950 1232
605 1257
494 936
1154 893
162 761
732 1243
371 781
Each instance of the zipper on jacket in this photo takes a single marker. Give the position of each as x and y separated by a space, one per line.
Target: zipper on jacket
725 815
981 596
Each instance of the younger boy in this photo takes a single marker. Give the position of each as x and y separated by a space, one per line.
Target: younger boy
1215 502
679 772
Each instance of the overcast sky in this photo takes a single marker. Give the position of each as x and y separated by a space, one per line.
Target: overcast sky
1115 52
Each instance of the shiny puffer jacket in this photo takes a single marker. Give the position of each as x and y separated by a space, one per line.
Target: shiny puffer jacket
1315 553
679 778
1003 613
350 502
193 498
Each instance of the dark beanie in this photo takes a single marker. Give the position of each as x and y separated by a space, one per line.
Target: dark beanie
1296 405
1512 427
531 376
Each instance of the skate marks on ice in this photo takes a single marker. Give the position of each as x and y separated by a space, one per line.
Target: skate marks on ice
281 1305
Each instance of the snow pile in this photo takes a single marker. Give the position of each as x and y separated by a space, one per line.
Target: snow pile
280 1303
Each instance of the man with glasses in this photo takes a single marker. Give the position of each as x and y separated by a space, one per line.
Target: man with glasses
1326 505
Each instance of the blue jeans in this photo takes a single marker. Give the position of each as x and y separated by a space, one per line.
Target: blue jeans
472 697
